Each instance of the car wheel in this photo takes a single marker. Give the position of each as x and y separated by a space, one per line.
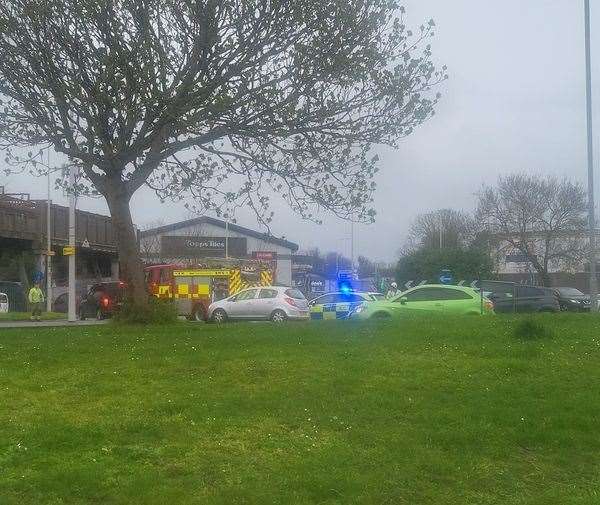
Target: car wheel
198 314
219 316
278 316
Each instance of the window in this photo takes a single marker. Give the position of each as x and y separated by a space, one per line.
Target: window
325 299
267 293
164 276
294 293
249 294
436 294
523 291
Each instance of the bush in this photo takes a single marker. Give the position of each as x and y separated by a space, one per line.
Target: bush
530 329
155 312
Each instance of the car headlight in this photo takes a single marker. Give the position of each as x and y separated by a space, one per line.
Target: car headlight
574 301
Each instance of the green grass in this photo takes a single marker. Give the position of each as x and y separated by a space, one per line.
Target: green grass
25 316
421 411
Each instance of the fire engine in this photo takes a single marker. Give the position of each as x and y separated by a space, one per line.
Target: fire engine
194 287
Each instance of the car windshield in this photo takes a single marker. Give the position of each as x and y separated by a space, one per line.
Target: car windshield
569 292
294 293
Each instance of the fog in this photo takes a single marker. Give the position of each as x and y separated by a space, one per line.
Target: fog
515 101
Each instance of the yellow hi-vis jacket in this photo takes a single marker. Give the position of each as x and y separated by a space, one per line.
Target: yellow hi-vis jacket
36 295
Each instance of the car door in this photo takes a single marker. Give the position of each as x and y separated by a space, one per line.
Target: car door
323 307
529 299
264 304
240 307
423 299
345 303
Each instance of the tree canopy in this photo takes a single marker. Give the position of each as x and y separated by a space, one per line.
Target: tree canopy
226 102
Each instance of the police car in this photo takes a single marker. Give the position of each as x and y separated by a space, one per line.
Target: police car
339 305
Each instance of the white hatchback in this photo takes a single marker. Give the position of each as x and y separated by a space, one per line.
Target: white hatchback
272 303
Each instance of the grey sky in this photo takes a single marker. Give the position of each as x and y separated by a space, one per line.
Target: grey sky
514 102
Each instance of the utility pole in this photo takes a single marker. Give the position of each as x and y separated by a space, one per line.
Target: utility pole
441 232
352 246
48 242
72 202
590 162
227 239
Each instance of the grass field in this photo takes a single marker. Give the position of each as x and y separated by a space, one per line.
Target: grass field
424 411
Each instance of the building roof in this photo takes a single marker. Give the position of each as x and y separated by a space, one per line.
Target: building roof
221 224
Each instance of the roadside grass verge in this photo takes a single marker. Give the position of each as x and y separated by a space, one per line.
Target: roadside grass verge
416 411
25 316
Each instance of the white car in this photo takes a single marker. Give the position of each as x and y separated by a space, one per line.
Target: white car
272 303
3 302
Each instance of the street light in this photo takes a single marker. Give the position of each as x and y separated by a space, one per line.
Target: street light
590 161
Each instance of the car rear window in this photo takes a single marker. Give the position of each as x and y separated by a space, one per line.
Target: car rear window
294 293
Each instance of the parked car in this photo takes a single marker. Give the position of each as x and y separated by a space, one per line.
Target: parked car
102 300
339 305
3 302
441 298
524 298
571 299
273 303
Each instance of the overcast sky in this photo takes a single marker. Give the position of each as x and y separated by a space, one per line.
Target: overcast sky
515 101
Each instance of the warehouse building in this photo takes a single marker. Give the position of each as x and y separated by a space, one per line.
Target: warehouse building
191 241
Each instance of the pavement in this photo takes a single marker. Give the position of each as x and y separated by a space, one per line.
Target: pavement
49 324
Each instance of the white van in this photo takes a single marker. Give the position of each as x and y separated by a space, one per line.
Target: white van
3 302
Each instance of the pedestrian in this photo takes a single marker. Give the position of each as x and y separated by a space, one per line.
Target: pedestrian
36 298
393 291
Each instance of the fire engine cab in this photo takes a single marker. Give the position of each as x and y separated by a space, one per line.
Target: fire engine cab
194 288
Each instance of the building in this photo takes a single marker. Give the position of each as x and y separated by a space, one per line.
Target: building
567 259
23 237
206 237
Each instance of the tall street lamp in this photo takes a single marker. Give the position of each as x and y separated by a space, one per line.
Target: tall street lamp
590 161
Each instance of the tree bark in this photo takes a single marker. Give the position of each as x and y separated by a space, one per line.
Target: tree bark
131 266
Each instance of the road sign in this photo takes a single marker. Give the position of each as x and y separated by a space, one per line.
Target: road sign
345 275
68 250
446 277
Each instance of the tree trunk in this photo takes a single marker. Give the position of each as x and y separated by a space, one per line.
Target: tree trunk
131 266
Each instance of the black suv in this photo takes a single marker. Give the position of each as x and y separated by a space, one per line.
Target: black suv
102 300
572 299
511 297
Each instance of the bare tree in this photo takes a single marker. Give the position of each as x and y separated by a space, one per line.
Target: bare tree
542 218
445 228
285 97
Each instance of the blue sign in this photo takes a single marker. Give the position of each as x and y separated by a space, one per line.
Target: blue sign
446 277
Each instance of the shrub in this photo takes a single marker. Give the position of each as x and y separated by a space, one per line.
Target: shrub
530 329
155 312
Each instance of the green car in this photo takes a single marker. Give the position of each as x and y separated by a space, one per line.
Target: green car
440 298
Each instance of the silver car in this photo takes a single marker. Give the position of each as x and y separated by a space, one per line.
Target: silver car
272 303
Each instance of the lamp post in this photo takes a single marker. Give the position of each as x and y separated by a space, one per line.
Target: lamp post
72 316
48 242
590 161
